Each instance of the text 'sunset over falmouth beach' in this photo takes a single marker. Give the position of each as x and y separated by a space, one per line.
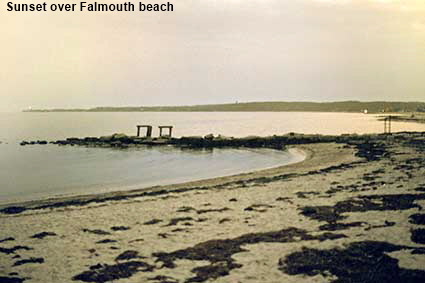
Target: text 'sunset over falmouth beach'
90 7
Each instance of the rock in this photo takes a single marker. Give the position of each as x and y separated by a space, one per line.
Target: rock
73 140
138 140
122 138
116 143
195 141
91 139
209 137
251 141
119 136
106 138
160 141
223 138
62 142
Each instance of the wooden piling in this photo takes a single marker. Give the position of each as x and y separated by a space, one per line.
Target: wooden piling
148 130
170 130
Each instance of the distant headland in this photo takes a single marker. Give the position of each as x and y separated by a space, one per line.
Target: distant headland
276 106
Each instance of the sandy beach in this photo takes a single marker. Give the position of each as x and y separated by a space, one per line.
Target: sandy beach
347 213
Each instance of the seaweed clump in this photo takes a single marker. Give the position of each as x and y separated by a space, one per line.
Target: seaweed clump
219 252
360 262
104 272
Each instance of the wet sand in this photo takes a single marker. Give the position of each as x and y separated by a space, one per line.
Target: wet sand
348 213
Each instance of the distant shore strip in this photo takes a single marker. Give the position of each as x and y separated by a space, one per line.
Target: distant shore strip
91 7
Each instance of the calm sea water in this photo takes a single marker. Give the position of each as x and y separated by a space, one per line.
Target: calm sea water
43 171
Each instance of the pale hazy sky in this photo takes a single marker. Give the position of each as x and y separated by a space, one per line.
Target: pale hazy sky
214 51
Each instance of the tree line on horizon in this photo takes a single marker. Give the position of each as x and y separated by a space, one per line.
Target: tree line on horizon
342 106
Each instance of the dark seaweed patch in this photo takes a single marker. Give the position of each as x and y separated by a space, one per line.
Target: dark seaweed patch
362 204
96 231
360 262
4 279
305 194
120 228
418 236
106 241
163 279
105 272
258 207
179 230
14 249
418 252
185 209
127 255
371 151
30 260
219 252
417 218
420 188
215 270
340 226
175 221
13 210
202 211
43 235
386 224
163 235
7 239
152 222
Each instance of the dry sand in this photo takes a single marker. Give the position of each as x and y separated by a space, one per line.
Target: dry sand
280 225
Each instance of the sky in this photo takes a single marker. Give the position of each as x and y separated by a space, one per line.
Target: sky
213 51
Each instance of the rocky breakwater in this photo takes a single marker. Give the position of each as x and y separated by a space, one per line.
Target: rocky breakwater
366 143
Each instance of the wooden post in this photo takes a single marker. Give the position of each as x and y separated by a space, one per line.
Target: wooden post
385 125
148 130
170 131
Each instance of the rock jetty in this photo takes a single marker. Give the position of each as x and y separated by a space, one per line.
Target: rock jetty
211 141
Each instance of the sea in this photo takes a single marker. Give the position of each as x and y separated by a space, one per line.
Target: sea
46 171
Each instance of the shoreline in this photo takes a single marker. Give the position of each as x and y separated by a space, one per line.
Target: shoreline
353 206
